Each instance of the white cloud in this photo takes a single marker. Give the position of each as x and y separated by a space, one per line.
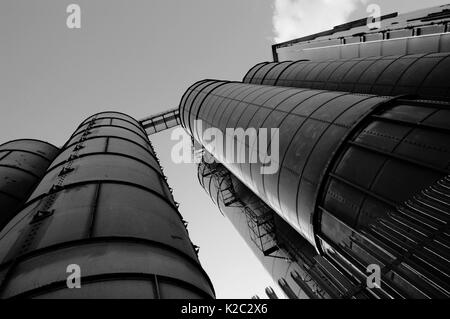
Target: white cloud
296 18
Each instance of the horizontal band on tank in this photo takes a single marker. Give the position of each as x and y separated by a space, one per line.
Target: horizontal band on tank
19 169
118 182
95 240
412 124
71 149
24 151
136 124
154 278
113 121
10 195
156 169
363 190
110 112
184 97
401 158
102 126
29 139
108 136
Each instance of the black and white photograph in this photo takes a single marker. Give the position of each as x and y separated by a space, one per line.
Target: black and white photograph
232 156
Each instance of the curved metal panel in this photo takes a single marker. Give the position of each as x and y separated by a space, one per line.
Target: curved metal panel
426 75
248 77
22 164
318 121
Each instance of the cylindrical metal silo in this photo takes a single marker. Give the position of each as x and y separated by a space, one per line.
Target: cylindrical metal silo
105 206
425 75
22 165
283 252
346 161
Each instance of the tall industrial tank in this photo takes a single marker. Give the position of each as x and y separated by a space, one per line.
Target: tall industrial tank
351 167
23 163
105 207
287 257
425 75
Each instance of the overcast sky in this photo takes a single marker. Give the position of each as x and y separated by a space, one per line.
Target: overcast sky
138 57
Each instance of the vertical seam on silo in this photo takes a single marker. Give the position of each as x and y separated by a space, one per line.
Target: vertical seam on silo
282 71
430 72
5 155
393 87
290 142
258 66
94 209
348 71
156 287
384 69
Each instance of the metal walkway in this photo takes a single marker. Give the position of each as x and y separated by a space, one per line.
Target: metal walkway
161 121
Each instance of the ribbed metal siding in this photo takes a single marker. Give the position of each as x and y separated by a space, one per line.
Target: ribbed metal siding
104 204
427 75
22 164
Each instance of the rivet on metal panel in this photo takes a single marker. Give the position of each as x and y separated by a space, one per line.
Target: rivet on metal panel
78 147
55 188
196 248
66 170
40 215
72 157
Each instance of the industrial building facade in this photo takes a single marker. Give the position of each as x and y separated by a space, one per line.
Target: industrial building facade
364 162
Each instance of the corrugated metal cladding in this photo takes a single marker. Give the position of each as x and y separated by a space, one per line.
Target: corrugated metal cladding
347 163
22 165
425 75
104 205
